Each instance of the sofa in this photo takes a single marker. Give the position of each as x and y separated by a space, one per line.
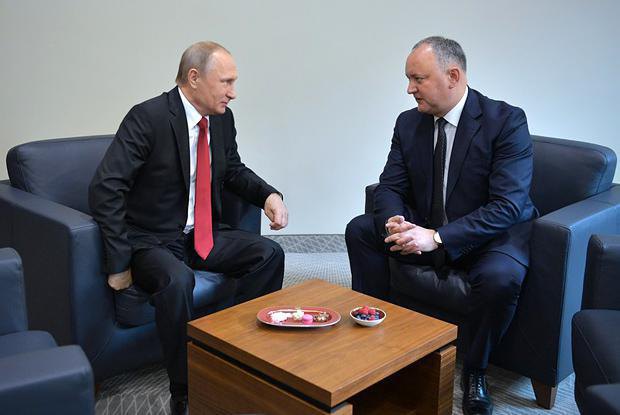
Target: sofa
44 214
596 330
573 191
37 376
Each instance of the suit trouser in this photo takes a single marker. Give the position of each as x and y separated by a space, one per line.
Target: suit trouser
495 279
166 272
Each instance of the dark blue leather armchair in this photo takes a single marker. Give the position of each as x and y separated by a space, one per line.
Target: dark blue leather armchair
44 214
573 191
36 376
596 330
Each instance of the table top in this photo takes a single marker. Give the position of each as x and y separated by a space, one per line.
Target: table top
328 364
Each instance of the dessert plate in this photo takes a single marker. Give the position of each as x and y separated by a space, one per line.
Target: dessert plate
282 316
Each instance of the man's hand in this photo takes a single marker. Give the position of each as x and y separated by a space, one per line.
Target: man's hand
276 212
397 224
121 280
412 241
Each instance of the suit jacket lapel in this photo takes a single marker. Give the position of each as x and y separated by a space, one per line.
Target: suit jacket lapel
469 124
423 160
178 122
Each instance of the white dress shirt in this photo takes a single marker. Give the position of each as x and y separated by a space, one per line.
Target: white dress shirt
452 118
193 118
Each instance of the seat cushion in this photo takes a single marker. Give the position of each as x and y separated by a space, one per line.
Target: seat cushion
25 341
596 341
212 291
422 285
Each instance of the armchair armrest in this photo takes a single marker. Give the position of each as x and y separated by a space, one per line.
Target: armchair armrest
66 289
238 213
552 290
50 381
601 399
602 279
12 296
369 204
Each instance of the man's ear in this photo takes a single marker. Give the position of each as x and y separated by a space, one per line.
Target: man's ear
454 76
192 77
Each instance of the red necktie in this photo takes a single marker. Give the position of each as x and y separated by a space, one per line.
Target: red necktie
203 228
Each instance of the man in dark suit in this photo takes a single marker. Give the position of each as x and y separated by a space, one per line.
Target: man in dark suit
454 192
157 197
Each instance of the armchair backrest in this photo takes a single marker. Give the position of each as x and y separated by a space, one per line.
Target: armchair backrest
59 170
567 171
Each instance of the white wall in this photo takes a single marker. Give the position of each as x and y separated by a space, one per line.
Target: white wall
321 82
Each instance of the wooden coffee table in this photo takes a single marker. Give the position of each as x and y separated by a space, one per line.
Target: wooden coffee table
238 365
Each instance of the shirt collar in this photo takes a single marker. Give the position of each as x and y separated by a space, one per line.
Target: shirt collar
191 113
454 115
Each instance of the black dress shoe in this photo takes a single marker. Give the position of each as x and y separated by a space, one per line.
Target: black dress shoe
178 406
476 399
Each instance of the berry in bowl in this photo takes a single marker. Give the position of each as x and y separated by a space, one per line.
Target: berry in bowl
367 316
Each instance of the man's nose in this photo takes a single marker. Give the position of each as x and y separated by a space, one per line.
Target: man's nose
232 94
411 88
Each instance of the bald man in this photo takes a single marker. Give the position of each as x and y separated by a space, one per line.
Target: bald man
157 197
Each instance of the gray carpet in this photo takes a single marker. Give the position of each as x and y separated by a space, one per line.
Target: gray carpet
145 391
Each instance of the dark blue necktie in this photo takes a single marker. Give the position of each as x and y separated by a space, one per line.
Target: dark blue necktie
437 203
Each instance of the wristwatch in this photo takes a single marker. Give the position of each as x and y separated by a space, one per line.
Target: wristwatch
437 238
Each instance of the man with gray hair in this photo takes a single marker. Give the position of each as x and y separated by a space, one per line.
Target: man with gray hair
454 192
157 196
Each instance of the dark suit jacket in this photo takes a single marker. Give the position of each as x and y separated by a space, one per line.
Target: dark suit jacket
487 195
139 193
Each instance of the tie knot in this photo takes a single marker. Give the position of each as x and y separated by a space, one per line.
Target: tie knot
441 122
203 124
